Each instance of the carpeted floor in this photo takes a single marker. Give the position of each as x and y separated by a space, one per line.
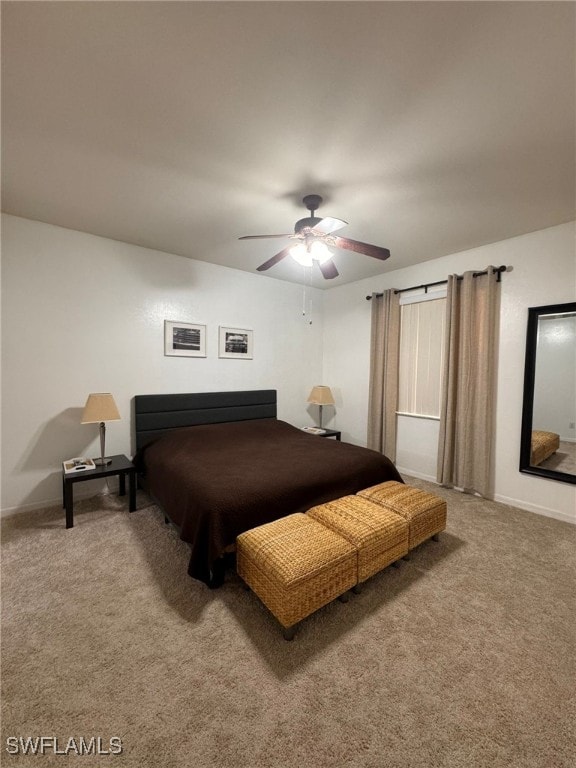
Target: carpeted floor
564 460
464 657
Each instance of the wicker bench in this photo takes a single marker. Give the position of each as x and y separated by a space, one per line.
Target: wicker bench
424 512
543 445
295 565
300 563
379 535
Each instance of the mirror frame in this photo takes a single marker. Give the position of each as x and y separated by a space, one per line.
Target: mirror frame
534 314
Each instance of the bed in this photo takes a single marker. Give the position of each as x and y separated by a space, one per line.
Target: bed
220 463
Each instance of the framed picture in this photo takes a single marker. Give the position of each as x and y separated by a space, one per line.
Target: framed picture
184 339
235 342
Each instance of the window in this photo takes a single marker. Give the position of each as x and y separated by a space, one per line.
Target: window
422 324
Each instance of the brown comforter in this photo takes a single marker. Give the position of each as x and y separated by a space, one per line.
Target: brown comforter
217 480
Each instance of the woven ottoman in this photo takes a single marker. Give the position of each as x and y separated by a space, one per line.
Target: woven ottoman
424 512
295 565
543 445
379 535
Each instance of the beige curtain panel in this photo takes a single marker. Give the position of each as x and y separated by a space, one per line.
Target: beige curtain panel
465 446
384 354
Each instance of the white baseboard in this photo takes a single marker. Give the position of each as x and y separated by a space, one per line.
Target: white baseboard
7 511
563 516
537 509
518 503
419 475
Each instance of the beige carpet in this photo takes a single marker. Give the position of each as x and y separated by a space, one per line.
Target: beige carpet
463 657
564 460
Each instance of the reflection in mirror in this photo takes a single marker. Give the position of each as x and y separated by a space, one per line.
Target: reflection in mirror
548 440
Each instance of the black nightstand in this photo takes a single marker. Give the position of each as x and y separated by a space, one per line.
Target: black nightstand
120 465
331 433
326 433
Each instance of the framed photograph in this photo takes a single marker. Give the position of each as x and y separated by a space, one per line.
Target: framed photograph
184 339
235 342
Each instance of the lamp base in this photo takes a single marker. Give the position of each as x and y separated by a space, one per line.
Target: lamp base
102 461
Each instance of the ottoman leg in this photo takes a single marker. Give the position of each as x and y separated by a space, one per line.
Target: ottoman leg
396 564
406 557
436 537
344 598
288 633
357 589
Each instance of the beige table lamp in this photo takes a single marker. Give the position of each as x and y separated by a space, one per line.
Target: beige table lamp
321 396
100 407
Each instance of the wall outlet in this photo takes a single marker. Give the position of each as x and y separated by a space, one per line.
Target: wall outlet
572 425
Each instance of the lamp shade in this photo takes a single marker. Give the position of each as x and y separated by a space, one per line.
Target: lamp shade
321 396
100 407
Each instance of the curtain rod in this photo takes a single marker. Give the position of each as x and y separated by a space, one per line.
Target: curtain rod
496 271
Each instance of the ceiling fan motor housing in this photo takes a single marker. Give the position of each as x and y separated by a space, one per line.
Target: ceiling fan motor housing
311 221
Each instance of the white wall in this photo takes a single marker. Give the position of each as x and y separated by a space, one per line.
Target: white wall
544 272
85 314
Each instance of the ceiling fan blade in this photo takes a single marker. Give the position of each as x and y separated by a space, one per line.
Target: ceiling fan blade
274 260
328 225
368 250
260 237
328 269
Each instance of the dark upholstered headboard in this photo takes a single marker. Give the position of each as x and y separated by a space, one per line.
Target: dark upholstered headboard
156 414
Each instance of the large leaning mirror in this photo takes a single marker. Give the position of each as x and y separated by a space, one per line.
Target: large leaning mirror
548 440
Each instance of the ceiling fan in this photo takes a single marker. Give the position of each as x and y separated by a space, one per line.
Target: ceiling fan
314 236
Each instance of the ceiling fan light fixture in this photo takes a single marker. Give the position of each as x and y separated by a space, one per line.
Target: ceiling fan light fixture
320 252
301 255
304 253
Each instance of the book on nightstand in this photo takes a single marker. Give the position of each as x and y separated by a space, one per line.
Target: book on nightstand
78 464
313 430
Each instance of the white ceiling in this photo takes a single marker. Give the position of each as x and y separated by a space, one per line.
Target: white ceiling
430 127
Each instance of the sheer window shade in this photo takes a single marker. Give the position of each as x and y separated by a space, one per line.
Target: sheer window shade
422 327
